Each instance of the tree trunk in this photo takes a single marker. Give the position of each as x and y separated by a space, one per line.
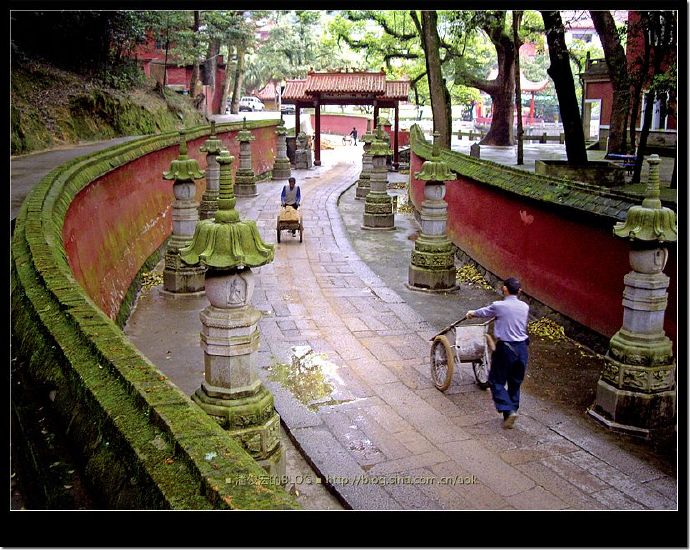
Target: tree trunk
227 82
517 17
562 77
644 133
440 97
239 77
210 65
618 72
502 89
642 73
195 65
165 62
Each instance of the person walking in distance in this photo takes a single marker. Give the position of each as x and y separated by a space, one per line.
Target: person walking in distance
509 360
353 133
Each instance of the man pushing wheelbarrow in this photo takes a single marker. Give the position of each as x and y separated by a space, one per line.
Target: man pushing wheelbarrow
289 217
509 360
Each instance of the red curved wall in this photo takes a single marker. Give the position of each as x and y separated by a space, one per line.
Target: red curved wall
115 223
569 261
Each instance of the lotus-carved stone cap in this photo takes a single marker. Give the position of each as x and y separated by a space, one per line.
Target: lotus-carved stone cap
435 169
183 168
212 145
244 134
650 221
226 242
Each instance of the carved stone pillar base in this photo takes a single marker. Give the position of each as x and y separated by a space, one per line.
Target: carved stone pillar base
180 278
251 421
378 212
634 412
363 187
432 266
281 169
245 184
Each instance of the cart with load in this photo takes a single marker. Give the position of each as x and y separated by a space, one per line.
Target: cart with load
455 344
289 219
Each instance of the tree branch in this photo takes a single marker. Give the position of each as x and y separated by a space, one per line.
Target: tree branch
368 15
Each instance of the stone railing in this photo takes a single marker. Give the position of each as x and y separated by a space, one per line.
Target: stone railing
556 235
144 443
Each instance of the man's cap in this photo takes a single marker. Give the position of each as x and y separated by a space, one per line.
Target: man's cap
512 284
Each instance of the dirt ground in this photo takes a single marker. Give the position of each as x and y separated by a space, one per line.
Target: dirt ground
566 374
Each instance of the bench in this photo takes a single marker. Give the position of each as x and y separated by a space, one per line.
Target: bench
626 161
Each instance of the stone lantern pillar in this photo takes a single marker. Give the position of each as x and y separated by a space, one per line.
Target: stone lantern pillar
364 181
177 276
432 265
303 158
209 200
245 179
378 205
281 166
637 389
231 392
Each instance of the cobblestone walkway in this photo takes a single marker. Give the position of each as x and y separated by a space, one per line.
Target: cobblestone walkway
383 437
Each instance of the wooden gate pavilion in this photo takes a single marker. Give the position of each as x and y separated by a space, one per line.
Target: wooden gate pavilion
345 87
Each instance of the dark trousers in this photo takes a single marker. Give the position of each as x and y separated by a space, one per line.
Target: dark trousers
508 366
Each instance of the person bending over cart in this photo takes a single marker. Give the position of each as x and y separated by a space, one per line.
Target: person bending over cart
291 196
509 360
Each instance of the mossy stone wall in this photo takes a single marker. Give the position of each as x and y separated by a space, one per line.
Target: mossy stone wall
144 444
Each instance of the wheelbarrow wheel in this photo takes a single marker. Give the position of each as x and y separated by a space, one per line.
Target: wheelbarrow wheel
278 234
442 362
481 369
301 229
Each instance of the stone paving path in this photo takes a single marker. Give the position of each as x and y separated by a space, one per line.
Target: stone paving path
385 437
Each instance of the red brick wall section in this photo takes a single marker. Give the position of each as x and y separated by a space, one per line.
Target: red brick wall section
115 223
570 262
603 91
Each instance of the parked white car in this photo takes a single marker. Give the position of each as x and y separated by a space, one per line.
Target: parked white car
251 103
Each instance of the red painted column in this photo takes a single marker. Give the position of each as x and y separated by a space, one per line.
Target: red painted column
317 131
395 140
297 119
531 109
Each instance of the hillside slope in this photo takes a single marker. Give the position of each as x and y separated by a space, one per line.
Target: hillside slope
52 107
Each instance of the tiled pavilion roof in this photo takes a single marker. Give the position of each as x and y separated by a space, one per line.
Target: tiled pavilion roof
346 83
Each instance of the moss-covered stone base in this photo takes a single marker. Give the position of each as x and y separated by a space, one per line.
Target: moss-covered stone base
251 421
281 169
635 413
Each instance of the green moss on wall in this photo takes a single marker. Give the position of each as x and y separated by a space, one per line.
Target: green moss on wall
110 397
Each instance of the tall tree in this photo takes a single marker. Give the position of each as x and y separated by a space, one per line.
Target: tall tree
617 64
193 88
517 17
502 88
239 76
562 76
438 91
